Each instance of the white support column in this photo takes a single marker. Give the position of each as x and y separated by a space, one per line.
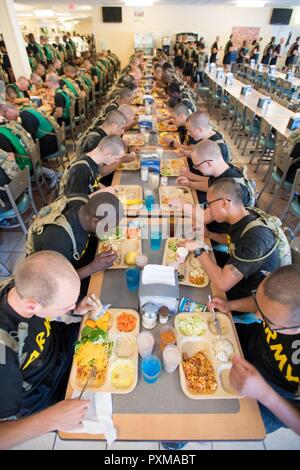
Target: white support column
13 39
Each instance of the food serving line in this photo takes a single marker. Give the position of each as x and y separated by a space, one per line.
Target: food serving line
161 405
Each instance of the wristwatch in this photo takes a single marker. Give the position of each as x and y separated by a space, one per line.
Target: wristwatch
199 251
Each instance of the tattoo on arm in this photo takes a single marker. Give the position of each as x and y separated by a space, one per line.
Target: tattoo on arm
235 271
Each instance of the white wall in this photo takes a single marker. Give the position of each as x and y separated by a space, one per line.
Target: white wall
162 20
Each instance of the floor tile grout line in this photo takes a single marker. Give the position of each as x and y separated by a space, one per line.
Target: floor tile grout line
54 442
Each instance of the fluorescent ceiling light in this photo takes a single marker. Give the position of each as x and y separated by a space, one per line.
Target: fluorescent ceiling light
62 15
139 3
44 13
25 14
250 3
84 7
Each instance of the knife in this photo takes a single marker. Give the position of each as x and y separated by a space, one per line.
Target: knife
214 315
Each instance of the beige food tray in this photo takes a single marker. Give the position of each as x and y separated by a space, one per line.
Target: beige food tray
121 247
113 334
129 192
171 167
168 193
163 127
170 135
134 139
190 264
130 166
193 344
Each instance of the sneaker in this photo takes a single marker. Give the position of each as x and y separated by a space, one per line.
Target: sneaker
174 445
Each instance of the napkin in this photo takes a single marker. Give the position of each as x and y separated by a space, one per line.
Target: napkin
98 419
157 274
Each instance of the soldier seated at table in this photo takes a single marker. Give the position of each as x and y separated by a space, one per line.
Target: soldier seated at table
8 170
253 247
67 226
272 375
35 373
207 157
21 87
113 123
84 174
199 128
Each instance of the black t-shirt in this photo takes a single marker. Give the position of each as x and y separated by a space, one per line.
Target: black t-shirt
42 352
182 134
83 179
274 354
233 172
255 243
5 144
87 143
59 102
6 62
56 238
48 143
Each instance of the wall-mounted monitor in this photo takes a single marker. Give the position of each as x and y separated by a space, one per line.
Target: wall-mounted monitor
112 14
281 16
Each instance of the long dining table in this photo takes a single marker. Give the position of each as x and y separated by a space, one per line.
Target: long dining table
275 114
161 411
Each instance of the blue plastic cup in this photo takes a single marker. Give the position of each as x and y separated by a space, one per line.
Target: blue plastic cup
149 201
132 279
155 240
151 368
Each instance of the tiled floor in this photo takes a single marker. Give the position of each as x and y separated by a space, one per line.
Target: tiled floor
12 250
283 439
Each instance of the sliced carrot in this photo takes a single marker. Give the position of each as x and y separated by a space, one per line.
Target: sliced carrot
90 323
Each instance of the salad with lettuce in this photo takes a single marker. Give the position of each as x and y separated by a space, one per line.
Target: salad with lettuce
191 326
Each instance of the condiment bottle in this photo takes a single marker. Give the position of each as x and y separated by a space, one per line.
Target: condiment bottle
163 314
149 315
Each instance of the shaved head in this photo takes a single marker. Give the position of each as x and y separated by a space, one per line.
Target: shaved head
227 188
179 109
128 112
115 117
198 119
207 150
40 276
282 286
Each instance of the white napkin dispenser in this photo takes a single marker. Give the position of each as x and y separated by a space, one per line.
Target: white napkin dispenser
160 294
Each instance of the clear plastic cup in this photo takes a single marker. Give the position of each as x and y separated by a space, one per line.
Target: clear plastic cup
145 343
146 137
181 254
171 358
160 152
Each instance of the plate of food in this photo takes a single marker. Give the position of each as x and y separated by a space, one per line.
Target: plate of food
106 354
131 196
190 273
169 194
134 139
126 249
169 135
206 357
131 166
171 167
163 126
